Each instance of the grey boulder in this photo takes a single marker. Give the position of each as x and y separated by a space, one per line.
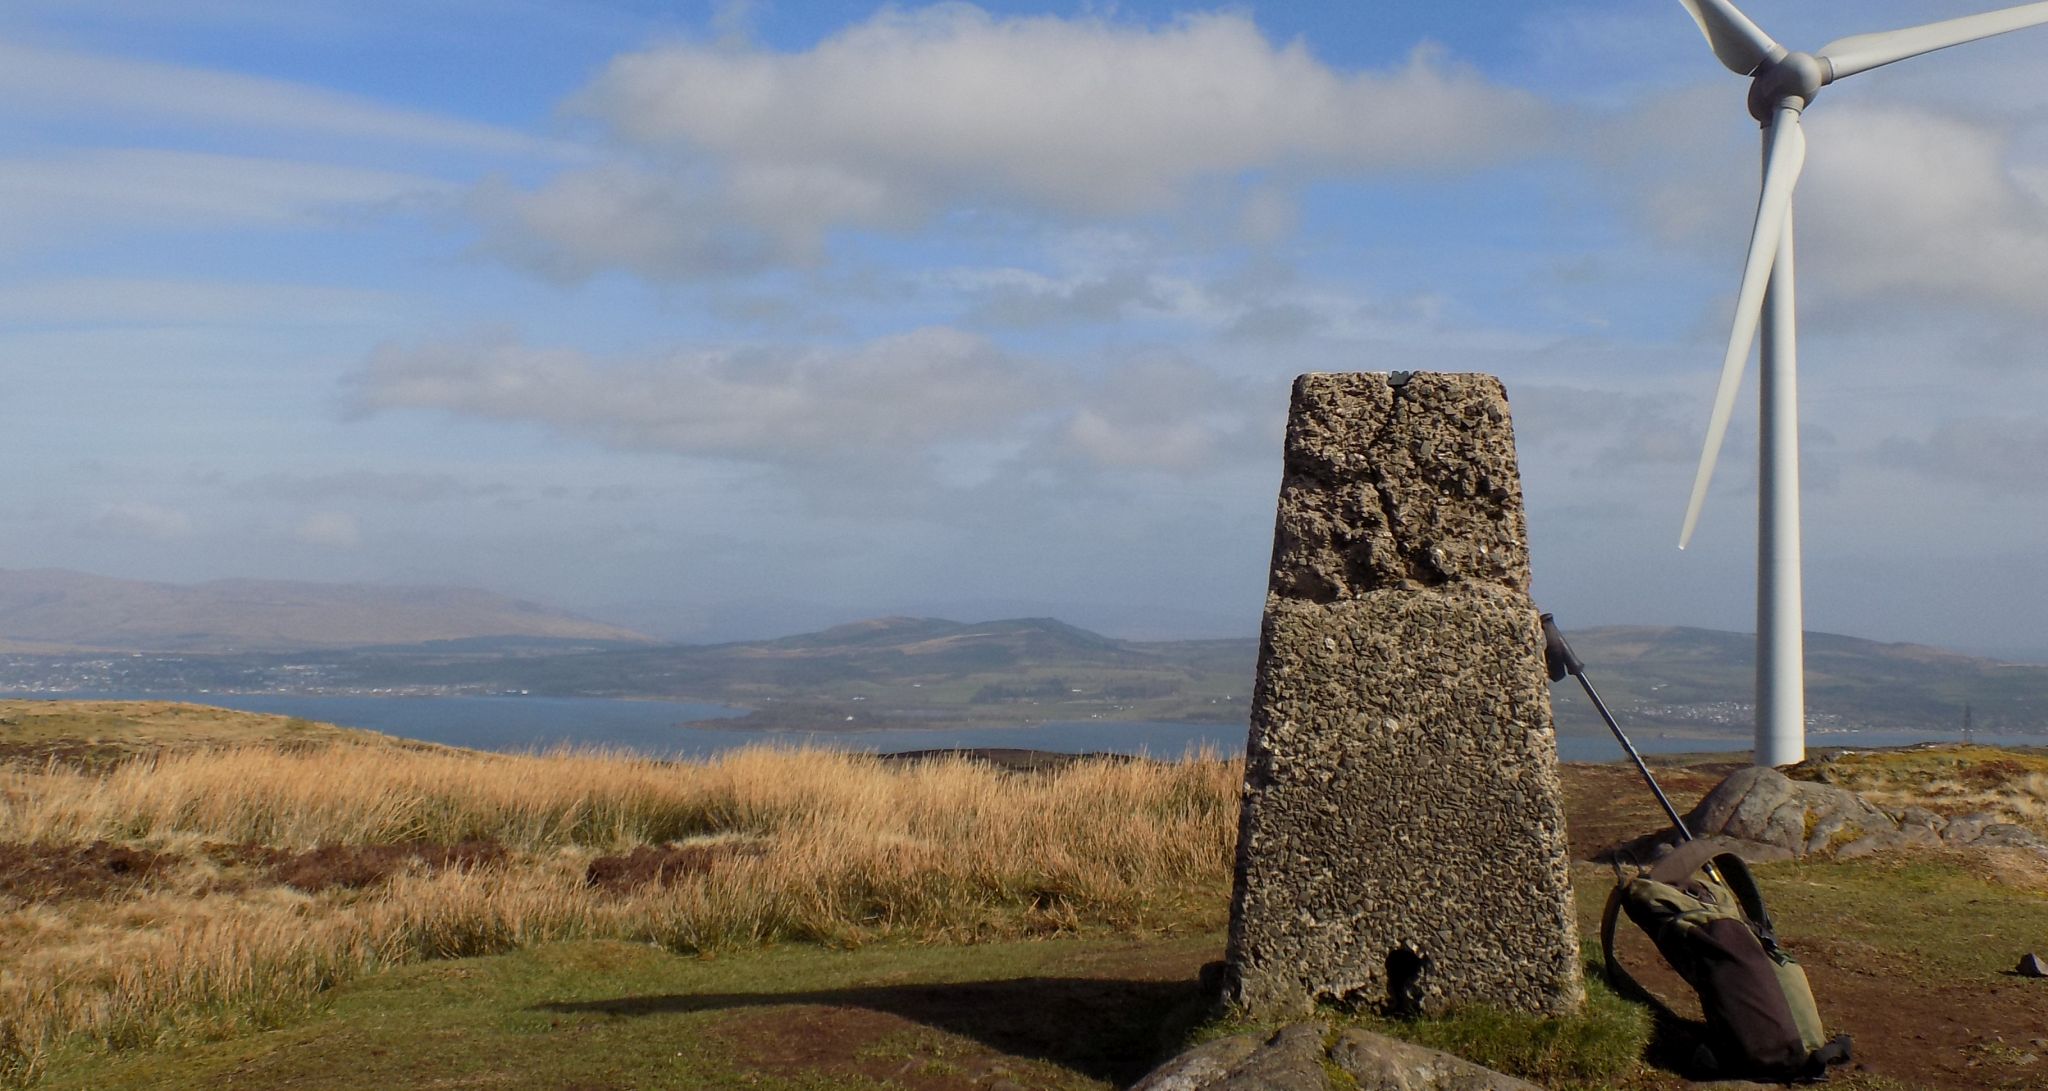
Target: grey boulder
1296 1058
1765 815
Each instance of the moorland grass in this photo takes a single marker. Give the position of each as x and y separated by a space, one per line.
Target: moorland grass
843 850
825 851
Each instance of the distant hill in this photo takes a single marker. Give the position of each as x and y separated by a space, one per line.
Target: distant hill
1691 680
57 607
912 670
894 671
891 671
1705 678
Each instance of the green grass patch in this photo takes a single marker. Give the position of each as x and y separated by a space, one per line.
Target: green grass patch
1069 1015
1602 1041
1933 916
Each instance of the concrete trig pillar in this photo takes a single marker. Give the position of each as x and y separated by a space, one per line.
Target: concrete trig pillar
1401 792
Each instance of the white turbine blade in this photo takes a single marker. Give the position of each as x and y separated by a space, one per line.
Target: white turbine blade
1739 43
1781 173
1863 52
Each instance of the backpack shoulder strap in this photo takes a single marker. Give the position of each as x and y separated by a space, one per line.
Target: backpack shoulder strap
1742 884
1678 864
1620 979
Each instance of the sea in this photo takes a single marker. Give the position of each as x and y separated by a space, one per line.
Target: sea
655 729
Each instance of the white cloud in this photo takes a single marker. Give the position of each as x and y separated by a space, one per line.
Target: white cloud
738 154
1171 415
1906 204
329 529
888 399
1899 206
186 190
41 82
662 228
1083 114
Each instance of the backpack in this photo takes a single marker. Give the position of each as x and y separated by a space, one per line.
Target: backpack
1704 912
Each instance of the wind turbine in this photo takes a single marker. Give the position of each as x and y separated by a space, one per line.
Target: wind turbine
1782 84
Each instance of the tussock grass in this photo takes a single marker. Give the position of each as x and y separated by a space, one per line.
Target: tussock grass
844 849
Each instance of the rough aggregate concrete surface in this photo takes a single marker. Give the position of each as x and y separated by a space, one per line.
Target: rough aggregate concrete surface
1401 774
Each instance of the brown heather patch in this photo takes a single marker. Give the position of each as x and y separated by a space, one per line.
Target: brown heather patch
353 867
47 872
86 756
663 865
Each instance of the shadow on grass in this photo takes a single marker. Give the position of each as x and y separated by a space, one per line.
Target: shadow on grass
1675 1041
1105 1029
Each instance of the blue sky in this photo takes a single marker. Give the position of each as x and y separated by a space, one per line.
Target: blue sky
732 320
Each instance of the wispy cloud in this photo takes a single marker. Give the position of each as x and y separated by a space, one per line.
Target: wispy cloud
886 400
143 519
110 300
895 407
96 190
2000 454
377 486
43 82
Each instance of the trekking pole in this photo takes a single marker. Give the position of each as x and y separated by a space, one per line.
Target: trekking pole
1559 659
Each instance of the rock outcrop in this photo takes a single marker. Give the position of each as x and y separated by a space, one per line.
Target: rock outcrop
1302 1057
1402 836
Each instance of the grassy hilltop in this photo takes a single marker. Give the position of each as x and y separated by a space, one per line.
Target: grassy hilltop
273 903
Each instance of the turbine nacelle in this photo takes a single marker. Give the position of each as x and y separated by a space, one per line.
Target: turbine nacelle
1792 80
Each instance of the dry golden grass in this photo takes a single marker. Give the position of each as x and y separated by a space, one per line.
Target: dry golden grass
1950 780
158 723
97 734
841 849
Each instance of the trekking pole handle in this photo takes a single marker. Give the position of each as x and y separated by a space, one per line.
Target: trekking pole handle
1558 657
1560 660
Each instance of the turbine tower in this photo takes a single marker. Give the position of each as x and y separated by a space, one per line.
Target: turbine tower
1783 83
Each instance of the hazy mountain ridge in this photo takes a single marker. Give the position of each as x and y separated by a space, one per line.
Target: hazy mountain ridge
920 669
247 635
76 609
1686 677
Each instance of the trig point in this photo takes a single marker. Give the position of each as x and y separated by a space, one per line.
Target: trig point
1402 839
